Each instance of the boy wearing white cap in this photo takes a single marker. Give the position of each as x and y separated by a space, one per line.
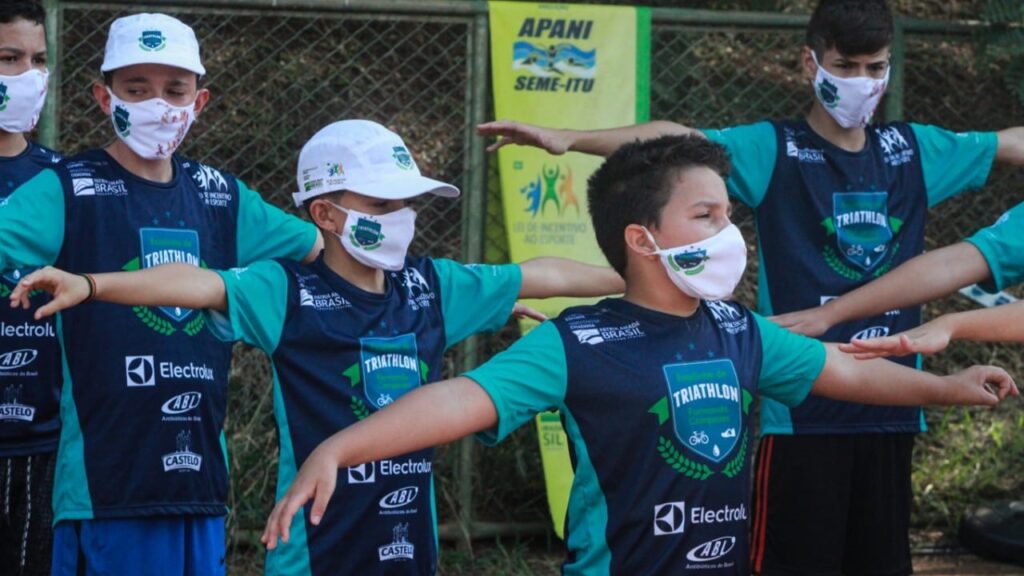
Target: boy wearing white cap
141 478
348 334
29 362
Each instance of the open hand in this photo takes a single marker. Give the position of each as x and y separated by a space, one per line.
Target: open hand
510 132
927 338
810 322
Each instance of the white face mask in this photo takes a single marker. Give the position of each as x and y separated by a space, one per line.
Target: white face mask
850 101
709 269
153 128
21 100
378 241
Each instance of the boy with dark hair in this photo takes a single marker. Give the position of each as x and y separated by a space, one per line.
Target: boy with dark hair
29 353
837 202
350 333
655 388
140 486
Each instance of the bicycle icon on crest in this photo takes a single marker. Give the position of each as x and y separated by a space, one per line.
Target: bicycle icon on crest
700 437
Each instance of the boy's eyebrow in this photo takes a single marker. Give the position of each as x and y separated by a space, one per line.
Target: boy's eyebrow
15 51
136 80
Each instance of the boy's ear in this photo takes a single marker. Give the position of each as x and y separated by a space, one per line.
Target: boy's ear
638 241
325 216
807 64
99 92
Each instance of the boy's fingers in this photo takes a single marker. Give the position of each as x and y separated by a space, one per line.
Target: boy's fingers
324 490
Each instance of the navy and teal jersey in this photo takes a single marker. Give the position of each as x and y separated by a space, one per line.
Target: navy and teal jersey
829 221
30 374
144 392
339 354
1002 245
657 409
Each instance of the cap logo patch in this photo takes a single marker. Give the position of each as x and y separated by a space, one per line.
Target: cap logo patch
152 41
402 158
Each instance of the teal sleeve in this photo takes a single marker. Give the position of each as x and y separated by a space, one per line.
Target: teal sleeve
1002 245
476 298
257 304
32 222
790 363
265 231
953 162
528 378
752 149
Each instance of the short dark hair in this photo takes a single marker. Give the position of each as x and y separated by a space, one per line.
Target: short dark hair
30 10
853 27
635 183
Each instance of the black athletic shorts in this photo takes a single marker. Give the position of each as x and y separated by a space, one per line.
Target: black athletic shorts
832 505
26 514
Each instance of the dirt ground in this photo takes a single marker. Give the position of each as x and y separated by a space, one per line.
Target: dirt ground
961 565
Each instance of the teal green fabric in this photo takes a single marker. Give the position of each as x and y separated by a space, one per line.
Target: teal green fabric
71 499
1002 245
586 501
257 304
32 222
291 559
265 231
752 149
953 162
790 363
475 298
529 377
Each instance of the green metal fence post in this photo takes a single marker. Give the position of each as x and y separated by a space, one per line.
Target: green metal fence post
473 217
894 96
49 127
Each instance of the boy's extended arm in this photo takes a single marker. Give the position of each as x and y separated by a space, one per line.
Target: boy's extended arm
597 142
1000 324
1011 146
887 383
427 416
547 277
922 279
168 285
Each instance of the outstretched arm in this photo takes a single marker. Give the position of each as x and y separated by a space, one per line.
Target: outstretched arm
168 285
1011 146
1000 324
547 277
927 277
887 383
597 142
427 416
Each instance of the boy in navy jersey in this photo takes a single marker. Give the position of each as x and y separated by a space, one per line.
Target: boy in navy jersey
349 334
993 256
655 388
29 354
141 482
838 202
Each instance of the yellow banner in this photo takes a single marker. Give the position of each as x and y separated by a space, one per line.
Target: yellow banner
562 66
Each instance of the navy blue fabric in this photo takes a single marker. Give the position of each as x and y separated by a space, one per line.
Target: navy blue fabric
832 221
672 454
149 385
30 373
356 351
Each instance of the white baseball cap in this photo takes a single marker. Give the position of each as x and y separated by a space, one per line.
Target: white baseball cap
151 39
364 157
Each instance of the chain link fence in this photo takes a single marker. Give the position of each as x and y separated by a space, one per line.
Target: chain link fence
279 74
